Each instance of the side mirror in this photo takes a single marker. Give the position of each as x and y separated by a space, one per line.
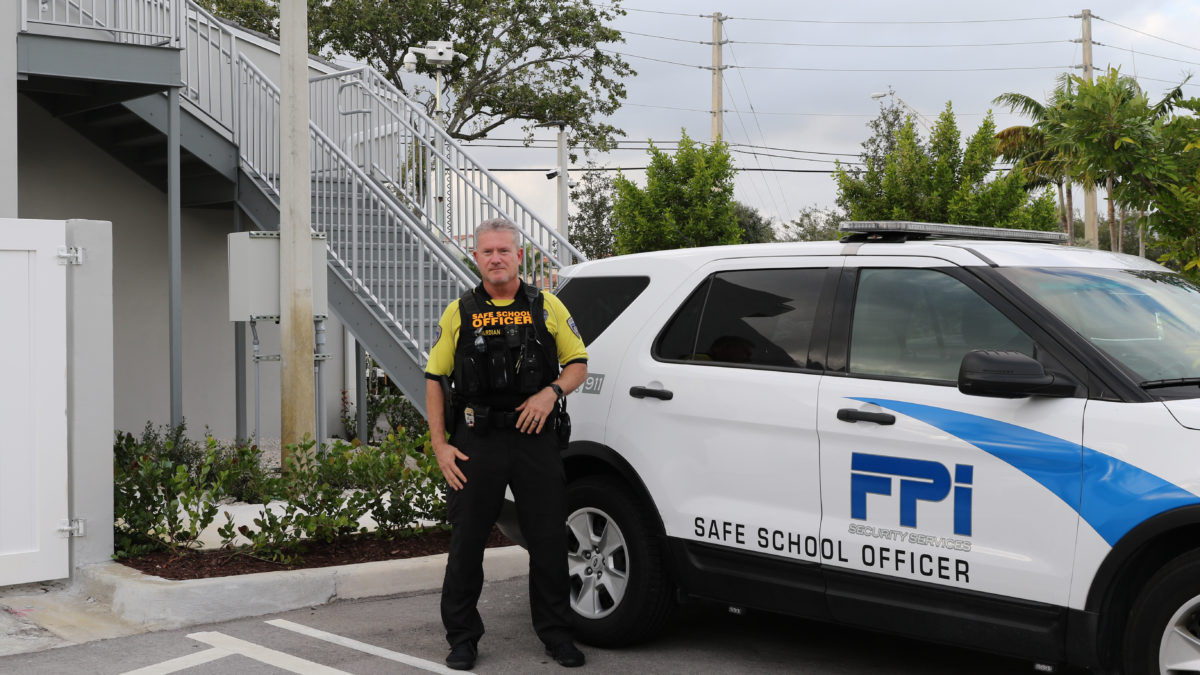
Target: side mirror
1005 374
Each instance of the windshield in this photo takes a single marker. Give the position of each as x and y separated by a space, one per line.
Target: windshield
1148 320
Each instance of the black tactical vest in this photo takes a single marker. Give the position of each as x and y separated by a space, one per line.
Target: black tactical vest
504 354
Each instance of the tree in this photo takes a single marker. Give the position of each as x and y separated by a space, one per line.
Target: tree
1117 138
1035 148
591 226
533 61
943 182
756 228
687 201
814 224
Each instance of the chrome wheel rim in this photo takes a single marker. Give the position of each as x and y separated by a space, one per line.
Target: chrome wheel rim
1179 650
597 561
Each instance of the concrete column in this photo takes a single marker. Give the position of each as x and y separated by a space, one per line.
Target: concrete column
9 24
90 407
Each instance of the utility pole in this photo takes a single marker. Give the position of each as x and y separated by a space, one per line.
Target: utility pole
564 181
718 120
1089 191
298 417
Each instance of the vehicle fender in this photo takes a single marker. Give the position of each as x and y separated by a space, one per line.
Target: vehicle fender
584 458
1130 563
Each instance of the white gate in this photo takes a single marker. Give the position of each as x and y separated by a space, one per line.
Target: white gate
33 402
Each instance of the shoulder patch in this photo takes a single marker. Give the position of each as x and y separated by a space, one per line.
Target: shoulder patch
571 323
545 315
437 333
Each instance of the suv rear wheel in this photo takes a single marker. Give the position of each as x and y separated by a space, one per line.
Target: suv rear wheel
620 593
1163 634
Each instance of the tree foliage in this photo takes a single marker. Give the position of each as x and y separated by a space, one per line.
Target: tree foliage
531 61
756 228
687 201
943 182
591 224
814 224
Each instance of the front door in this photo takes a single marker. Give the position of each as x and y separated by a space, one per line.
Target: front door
922 483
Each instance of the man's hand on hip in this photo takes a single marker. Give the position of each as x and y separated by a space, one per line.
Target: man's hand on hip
446 456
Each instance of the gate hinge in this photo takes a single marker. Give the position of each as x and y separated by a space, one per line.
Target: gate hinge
70 255
75 527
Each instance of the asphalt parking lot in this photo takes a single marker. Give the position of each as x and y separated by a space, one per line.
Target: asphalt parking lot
404 635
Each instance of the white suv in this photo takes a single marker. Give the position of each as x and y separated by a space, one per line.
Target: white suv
986 442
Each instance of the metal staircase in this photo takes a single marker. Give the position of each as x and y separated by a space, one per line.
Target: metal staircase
396 197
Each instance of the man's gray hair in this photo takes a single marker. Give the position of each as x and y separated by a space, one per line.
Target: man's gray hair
498 225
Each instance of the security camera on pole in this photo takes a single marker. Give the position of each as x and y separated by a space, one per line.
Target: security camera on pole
439 54
561 173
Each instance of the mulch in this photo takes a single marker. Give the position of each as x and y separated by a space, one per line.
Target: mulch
343 551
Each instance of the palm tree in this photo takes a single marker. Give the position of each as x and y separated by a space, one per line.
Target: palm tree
1036 150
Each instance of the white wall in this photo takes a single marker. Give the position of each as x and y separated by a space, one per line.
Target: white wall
64 176
90 389
9 23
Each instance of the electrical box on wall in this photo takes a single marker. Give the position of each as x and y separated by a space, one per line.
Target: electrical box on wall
254 276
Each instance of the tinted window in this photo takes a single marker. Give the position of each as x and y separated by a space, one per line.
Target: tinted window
753 317
595 302
916 323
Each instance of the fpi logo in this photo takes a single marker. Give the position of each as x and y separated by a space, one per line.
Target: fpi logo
920 480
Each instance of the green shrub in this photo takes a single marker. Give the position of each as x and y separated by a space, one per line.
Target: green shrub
168 489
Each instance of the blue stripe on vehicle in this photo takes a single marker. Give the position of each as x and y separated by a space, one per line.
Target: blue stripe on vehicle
1110 495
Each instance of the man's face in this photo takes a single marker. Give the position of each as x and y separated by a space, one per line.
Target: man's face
498 257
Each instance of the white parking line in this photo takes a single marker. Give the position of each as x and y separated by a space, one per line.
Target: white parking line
268 656
181 663
361 646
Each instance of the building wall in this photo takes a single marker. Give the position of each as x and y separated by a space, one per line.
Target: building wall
63 176
9 23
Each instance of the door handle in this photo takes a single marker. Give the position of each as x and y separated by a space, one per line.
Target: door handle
643 392
854 415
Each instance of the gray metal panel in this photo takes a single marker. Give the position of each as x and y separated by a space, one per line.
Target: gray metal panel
101 61
197 137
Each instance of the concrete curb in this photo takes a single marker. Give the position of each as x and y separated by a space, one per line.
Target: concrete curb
157 603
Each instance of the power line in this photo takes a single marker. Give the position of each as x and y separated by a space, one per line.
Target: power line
1149 35
899 46
757 123
643 168
664 37
654 11
877 22
1153 56
651 58
902 70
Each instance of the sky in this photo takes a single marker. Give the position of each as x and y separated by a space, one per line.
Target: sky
805 100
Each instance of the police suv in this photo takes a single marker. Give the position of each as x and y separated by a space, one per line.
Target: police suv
953 433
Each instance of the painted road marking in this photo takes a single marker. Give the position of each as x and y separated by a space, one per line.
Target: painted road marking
270 657
361 646
181 663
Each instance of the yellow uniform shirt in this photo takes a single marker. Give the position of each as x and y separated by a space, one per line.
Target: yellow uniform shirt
568 343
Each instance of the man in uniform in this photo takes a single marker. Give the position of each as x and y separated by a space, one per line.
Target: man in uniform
502 343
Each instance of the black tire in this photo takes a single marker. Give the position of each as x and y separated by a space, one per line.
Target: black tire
622 536
1165 614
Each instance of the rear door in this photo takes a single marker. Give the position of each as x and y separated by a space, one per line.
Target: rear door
715 407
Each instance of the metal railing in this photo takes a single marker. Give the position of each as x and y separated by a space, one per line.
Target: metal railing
143 22
392 261
209 55
395 142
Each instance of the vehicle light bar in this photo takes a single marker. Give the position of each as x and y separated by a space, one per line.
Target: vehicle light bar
906 229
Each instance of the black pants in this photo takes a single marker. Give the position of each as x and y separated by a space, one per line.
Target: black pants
532 466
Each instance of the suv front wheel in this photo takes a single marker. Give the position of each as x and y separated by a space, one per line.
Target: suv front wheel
1163 634
620 593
